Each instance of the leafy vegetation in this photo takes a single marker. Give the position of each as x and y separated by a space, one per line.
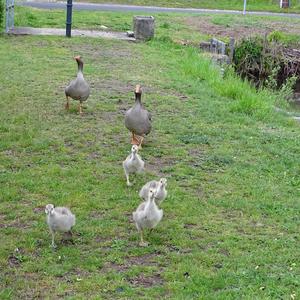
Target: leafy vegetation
231 222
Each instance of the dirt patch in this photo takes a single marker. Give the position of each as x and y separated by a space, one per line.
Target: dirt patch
115 87
157 164
95 214
39 210
224 252
179 250
190 225
15 258
205 26
147 281
14 261
142 260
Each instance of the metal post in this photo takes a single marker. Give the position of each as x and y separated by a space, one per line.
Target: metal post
245 4
69 18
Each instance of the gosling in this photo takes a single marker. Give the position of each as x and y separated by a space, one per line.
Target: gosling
59 219
133 164
160 187
147 215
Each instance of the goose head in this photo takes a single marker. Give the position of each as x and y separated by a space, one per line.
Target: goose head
79 62
49 210
138 93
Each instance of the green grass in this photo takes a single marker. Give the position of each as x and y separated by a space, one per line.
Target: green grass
231 222
178 27
255 5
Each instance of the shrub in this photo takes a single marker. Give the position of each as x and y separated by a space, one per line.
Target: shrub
267 62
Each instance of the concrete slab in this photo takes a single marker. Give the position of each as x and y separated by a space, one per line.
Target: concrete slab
75 32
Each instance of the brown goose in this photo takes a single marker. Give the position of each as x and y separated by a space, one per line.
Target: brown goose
78 89
138 119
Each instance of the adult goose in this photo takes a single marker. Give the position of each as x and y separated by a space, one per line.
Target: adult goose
78 89
138 119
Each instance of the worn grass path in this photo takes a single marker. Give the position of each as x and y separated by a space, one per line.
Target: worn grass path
231 220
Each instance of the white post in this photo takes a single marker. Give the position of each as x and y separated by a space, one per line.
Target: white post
280 3
245 4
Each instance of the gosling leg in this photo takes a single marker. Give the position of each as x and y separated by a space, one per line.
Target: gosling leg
67 105
53 243
142 242
127 179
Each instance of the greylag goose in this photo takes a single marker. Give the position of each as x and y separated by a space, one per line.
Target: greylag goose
147 215
159 187
78 89
59 219
138 119
133 163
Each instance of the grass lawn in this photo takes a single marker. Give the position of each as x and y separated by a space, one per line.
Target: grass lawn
231 220
255 5
183 28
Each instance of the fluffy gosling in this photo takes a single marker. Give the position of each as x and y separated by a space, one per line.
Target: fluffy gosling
159 187
133 163
147 215
59 219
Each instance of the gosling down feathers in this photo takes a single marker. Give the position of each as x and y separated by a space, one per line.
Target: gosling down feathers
147 215
159 187
133 163
138 119
78 89
59 219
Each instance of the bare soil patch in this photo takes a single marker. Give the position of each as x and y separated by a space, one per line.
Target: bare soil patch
147 281
157 164
145 260
205 26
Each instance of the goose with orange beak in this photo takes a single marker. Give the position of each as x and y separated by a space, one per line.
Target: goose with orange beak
138 119
78 89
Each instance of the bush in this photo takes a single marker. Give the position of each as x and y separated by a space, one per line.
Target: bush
267 62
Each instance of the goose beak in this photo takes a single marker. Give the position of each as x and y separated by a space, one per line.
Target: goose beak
78 57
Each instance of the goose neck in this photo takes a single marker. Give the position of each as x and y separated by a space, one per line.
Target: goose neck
138 98
80 66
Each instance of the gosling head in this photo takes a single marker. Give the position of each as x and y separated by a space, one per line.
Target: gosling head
49 210
152 194
134 149
163 182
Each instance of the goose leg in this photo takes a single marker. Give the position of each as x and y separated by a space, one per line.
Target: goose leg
135 140
142 242
67 106
141 142
80 108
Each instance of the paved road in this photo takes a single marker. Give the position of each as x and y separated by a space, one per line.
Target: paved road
147 9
